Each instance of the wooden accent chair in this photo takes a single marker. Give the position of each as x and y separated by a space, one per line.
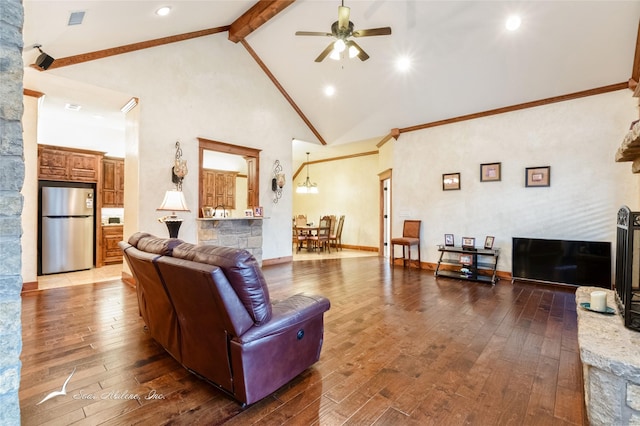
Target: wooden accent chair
336 236
410 237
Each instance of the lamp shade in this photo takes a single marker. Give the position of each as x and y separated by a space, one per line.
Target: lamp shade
174 202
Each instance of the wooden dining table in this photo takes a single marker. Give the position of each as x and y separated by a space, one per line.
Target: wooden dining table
307 230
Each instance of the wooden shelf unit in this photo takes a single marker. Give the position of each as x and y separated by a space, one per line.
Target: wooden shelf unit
465 264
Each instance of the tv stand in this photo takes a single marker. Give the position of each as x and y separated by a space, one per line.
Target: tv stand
464 264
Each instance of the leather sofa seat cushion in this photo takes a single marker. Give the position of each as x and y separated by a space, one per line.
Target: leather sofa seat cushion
155 245
244 274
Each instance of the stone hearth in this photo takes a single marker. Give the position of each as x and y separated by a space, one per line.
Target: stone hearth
610 356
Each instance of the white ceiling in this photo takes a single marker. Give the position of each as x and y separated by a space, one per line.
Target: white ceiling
463 59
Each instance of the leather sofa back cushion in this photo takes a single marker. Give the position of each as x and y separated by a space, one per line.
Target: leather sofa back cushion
244 275
161 246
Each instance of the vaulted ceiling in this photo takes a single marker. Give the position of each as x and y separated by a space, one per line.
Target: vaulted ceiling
462 59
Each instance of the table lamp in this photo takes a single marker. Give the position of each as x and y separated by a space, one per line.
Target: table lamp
173 202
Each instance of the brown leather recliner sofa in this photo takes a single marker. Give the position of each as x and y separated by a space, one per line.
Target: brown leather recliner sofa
209 307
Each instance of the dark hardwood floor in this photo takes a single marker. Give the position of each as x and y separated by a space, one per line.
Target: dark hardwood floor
401 347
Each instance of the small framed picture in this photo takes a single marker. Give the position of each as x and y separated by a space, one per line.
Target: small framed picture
257 211
466 259
488 242
468 242
538 176
448 240
490 172
450 181
207 212
248 213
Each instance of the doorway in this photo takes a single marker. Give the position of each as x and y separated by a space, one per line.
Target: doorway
385 213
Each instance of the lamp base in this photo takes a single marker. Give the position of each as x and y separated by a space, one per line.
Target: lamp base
173 226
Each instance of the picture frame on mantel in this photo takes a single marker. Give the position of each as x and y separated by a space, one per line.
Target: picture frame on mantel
450 181
490 172
537 176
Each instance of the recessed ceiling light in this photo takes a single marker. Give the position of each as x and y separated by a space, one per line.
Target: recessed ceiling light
72 107
329 90
403 63
513 23
163 11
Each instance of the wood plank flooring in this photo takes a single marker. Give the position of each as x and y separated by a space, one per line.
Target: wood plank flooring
401 348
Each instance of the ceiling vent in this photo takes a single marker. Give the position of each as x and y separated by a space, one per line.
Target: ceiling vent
75 18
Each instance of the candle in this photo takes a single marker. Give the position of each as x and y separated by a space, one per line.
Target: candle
599 301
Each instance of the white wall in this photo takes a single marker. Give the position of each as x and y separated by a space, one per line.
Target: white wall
577 138
29 217
345 187
206 87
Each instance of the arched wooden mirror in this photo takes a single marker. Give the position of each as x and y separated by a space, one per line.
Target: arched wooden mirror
207 196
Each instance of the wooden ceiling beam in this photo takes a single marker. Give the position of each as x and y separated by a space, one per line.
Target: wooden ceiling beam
284 93
258 15
99 54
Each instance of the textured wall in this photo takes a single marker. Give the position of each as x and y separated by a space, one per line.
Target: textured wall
577 138
11 179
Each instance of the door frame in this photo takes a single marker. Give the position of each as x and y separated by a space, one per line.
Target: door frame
385 212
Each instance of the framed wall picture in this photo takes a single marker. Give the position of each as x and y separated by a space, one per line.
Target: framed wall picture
450 181
257 211
207 212
465 259
248 213
448 240
468 242
538 176
488 242
490 172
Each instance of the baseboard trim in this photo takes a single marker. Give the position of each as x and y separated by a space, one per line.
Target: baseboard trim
127 278
30 286
277 260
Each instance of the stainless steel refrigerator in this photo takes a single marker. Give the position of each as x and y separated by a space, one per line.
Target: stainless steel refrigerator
67 229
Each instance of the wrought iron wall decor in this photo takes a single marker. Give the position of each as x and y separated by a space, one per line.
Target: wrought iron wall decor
278 181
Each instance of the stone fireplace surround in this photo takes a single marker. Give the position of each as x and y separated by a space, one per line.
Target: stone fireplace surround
243 233
610 355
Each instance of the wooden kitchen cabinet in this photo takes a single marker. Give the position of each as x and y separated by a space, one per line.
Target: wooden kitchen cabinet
77 165
218 188
112 182
111 236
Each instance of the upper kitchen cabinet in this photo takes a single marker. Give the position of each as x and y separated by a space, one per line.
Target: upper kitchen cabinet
112 182
76 165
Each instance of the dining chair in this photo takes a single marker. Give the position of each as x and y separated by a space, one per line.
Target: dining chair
301 220
410 237
298 238
320 239
336 236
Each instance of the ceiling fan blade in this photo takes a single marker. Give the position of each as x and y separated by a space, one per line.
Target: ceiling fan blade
312 33
372 32
362 55
324 53
343 16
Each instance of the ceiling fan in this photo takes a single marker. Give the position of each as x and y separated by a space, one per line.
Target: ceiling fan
342 29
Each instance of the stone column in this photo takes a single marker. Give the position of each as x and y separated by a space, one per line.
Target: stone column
11 180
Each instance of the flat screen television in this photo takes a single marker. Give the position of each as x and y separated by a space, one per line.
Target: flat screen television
562 261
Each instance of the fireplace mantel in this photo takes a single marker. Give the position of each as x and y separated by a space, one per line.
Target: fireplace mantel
630 148
610 355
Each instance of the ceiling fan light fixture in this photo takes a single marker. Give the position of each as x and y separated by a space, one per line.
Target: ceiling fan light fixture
335 55
339 46
353 52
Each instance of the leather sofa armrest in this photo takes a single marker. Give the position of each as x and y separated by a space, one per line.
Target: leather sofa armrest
287 313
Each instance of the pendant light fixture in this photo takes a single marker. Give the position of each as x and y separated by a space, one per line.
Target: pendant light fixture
307 187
